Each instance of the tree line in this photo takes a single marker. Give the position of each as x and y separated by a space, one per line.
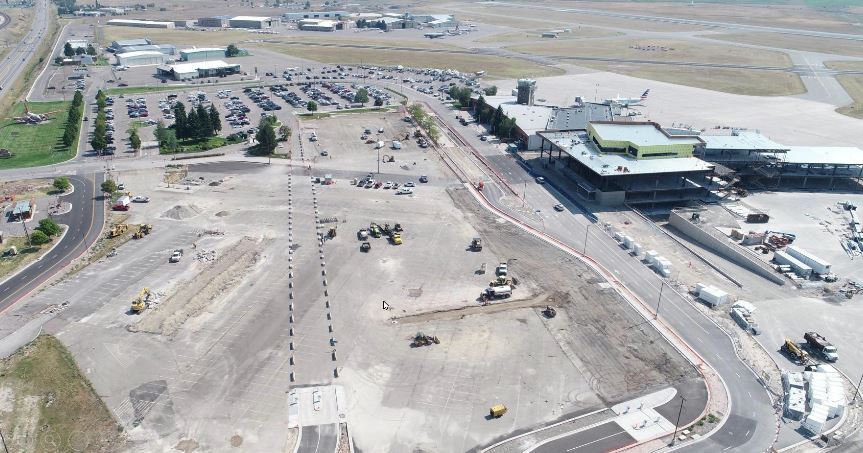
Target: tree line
425 121
199 124
99 141
69 52
73 120
499 123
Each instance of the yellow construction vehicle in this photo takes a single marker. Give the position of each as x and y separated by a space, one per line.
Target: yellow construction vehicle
421 339
117 230
396 238
497 411
142 301
795 351
501 281
143 230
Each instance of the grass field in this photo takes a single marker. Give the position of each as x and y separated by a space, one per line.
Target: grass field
854 87
25 256
495 67
649 49
845 65
36 144
808 43
735 81
50 406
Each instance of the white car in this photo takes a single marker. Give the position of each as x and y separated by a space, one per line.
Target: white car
388 185
405 191
140 199
409 184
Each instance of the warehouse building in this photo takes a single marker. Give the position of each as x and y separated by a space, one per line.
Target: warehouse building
214 21
140 23
202 54
434 20
118 46
166 49
141 58
316 25
331 15
78 43
630 163
252 22
199 69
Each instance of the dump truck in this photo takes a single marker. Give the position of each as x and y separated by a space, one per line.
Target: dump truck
140 303
117 230
497 411
476 244
820 344
795 351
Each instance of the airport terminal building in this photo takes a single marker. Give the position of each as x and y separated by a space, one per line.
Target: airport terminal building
195 70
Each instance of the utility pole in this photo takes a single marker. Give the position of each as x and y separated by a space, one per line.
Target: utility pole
659 302
857 390
586 231
26 233
676 425
379 160
4 442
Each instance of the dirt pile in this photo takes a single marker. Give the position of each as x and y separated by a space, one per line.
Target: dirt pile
182 212
214 282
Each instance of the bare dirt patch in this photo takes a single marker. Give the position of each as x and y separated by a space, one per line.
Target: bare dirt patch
214 282
618 352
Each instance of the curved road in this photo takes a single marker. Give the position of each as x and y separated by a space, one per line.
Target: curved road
84 224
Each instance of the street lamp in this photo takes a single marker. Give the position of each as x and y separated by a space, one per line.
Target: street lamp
659 302
586 231
677 424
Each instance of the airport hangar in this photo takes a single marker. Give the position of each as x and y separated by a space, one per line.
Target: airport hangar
198 69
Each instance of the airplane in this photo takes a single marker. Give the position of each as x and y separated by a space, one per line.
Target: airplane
627 102
434 35
30 117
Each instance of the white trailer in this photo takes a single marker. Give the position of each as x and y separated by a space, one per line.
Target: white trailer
799 267
818 265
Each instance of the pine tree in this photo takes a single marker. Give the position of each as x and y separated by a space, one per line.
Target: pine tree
180 120
204 128
193 125
215 119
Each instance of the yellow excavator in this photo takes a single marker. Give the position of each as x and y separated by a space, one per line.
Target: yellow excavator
142 301
117 230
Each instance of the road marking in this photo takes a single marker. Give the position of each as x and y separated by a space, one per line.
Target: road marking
597 440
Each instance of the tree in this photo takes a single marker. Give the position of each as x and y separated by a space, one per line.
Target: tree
312 106
58 60
361 96
496 118
80 51
285 133
204 128
490 91
49 227
109 186
160 132
39 238
215 119
171 143
91 50
307 5
62 184
379 102
68 136
135 140
99 142
232 51
193 125
180 121
266 138
68 50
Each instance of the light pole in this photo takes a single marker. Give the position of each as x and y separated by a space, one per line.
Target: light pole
4 442
379 160
659 302
677 424
586 231
857 390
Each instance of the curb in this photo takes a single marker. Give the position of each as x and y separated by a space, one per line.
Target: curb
510 439
53 246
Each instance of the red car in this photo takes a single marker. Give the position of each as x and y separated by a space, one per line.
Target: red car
378 185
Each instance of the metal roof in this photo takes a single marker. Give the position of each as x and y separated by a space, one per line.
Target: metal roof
203 49
136 21
827 155
641 134
570 118
140 53
251 18
577 145
21 207
131 42
185 68
742 140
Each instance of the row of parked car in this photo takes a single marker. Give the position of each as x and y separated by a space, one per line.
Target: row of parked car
137 108
237 111
262 100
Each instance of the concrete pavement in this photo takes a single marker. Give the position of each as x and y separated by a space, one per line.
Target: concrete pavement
16 60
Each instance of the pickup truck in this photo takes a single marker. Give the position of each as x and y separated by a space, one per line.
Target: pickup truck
176 255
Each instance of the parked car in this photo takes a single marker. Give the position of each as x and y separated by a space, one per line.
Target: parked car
140 199
559 207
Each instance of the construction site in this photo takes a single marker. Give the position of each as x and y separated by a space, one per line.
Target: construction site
245 280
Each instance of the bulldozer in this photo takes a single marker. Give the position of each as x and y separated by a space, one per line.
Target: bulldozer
398 228
140 303
331 233
117 230
421 339
476 244
396 238
143 230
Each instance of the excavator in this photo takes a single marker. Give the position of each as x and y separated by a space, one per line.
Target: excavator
140 303
421 339
795 351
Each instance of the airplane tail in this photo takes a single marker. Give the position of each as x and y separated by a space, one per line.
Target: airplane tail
644 95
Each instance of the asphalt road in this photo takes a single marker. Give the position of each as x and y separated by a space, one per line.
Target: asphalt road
16 60
85 224
319 439
606 437
751 424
